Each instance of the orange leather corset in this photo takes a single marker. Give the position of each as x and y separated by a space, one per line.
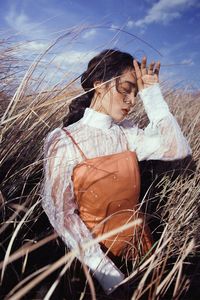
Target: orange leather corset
107 190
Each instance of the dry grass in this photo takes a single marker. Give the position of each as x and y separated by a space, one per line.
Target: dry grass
31 254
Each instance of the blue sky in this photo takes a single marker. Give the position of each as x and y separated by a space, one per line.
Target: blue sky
171 27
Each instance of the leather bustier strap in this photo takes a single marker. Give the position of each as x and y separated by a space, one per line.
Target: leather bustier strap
75 143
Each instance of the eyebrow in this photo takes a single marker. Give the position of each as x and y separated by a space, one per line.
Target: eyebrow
133 84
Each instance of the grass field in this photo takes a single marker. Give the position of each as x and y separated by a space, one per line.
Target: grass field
35 264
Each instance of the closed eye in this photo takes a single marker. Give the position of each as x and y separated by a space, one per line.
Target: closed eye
126 87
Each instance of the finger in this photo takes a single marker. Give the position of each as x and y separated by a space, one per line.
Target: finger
138 75
157 69
137 68
150 69
140 84
143 65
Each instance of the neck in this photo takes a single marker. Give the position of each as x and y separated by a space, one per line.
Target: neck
97 106
96 119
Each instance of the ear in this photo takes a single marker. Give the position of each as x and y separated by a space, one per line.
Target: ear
99 87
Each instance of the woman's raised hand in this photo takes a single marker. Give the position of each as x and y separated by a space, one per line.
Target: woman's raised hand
146 76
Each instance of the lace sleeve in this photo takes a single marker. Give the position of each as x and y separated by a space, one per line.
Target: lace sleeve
60 207
162 139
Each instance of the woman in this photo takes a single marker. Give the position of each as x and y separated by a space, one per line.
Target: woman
92 181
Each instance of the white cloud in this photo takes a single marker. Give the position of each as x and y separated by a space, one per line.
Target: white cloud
74 56
21 23
187 61
164 11
34 46
114 27
89 33
169 49
74 60
130 24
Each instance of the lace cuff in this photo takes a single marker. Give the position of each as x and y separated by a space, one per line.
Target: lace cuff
108 275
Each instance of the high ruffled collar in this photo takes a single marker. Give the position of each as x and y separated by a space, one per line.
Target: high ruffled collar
96 119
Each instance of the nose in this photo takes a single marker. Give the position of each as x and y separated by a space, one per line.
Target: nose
130 99
133 100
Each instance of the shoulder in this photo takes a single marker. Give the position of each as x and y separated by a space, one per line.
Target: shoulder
54 135
52 140
59 134
58 138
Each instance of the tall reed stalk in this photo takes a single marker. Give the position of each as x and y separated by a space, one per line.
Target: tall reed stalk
34 262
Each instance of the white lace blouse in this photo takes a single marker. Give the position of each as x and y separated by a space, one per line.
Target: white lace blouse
97 134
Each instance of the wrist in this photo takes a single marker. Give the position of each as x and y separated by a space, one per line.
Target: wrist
108 275
148 88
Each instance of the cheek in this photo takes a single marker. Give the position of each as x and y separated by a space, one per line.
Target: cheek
117 100
113 101
117 104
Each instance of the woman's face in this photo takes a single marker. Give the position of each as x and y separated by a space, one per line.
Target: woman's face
117 97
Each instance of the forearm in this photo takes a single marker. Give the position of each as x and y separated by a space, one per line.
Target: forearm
76 235
154 103
172 140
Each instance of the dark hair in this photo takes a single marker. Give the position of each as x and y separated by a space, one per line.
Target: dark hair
104 66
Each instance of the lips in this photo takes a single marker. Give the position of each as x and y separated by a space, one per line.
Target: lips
125 111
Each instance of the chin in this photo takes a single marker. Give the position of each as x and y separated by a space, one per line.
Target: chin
119 119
